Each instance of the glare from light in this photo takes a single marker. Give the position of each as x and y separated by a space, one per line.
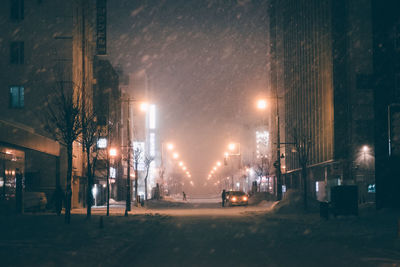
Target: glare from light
184 168
215 168
170 146
218 163
175 155
232 146
144 106
113 152
365 148
181 163
226 154
262 104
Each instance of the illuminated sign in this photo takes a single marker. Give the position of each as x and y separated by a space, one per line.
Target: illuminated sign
102 142
101 27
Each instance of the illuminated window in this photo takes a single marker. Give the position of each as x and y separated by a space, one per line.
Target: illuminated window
17 97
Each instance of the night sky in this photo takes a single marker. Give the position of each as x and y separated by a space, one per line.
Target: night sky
206 63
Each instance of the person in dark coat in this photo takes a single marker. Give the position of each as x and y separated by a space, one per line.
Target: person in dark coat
223 195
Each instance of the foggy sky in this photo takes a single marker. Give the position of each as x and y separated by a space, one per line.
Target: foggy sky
206 62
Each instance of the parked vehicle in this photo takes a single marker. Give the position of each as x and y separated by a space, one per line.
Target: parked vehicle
35 201
236 198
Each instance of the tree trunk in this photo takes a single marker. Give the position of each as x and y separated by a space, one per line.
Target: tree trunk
89 196
304 176
68 190
145 186
136 181
108 185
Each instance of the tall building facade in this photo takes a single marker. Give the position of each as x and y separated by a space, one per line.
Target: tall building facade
322 61
386 79
44 43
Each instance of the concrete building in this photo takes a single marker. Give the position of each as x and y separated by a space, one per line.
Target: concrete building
42 43
386 81
321 60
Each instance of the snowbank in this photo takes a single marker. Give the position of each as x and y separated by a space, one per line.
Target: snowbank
259 197
293 203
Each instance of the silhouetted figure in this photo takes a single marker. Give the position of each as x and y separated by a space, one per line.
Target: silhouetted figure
184 195
18 191
223 195
58 199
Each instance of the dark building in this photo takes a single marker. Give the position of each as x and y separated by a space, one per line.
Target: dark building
386 30
321 62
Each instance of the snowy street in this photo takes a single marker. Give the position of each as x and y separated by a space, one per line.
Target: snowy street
200 233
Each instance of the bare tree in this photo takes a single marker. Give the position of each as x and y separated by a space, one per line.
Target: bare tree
147 163
137 156
62 121
302 143
91 132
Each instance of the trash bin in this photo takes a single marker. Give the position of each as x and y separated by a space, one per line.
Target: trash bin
324 209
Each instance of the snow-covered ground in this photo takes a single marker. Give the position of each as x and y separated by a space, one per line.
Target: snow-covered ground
201 233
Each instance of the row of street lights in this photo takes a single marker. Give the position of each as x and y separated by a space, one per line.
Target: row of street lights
175 155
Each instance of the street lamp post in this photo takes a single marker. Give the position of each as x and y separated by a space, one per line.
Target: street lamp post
278 154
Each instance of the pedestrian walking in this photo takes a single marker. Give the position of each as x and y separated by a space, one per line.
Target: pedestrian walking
184 196
223 195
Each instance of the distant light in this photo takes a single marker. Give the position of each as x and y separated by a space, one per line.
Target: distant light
181 163
184 168
113 152
113 172
170 146
215 168
365 148
232 146
218 163
144 106
104 185
262 104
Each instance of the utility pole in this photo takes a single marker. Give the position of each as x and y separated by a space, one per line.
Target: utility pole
128 178
278 153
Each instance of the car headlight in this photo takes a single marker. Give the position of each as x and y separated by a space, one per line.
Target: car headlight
245 198
234 199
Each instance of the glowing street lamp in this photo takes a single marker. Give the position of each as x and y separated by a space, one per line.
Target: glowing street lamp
180 163
175 155
218 163
113 152
170 146
144 106
262 104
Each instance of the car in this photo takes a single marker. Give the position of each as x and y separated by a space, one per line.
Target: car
35 201
236 198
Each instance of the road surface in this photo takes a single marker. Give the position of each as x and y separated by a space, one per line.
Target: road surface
197 233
